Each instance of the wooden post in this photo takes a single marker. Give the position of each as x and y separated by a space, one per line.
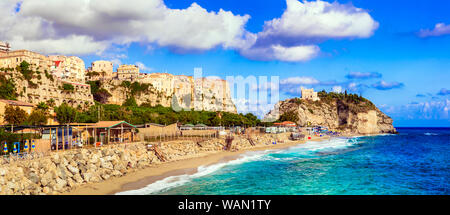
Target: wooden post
109 135
121 130
51 139
57 139
63 138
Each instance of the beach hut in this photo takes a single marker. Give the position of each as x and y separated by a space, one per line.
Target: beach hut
200 126
187 127
112 132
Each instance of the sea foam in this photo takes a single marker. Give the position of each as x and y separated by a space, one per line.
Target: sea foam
178 180
295 152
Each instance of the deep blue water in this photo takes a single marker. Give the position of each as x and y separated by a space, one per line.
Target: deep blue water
416 161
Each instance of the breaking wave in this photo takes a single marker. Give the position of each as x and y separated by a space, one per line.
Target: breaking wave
299 152
178 180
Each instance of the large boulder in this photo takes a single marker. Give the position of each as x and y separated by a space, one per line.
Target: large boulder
73 169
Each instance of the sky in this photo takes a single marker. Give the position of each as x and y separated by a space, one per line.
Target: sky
395 53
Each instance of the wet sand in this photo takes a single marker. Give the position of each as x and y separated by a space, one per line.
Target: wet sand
143 177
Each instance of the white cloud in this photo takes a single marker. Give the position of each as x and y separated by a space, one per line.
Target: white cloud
383 85
278 52
93 26
70 45
143 67
293 36
437 110
257 107
99 24
302 80
321 19
439 30
295 53
338 89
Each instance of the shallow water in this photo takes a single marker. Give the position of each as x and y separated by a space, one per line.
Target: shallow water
416 161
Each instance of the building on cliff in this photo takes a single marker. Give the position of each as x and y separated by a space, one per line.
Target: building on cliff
309 94
67 68
128 72
12 59
52 75
100 69
48 77
4 47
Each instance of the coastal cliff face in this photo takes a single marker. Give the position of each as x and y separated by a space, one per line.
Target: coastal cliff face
357 116
179 92
41 86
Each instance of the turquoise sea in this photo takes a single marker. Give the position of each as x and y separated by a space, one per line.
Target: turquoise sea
415 161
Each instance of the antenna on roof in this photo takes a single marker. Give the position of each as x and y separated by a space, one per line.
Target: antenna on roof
5 47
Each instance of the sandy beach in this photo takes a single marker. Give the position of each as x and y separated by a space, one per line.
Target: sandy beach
141 178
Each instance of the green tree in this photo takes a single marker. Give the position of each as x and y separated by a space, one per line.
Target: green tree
131 101
37 117
7 89
15 115
50 103
65 114
43 106
289 116
68 87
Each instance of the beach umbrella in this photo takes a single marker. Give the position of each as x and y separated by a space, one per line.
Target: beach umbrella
32 145
15 147
5 148
25 146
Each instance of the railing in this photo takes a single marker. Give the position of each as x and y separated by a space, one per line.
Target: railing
178 136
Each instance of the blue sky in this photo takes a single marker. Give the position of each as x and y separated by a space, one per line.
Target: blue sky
396 53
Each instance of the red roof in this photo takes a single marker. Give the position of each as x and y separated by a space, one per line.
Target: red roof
16 103
286 123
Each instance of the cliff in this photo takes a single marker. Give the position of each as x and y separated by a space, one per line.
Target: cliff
35 86
179 92
350 114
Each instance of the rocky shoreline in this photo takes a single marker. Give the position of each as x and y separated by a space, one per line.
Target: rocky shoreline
64 171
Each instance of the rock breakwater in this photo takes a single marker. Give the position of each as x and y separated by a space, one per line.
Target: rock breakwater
65 170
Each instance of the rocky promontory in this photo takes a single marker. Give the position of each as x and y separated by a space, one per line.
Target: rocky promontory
349 113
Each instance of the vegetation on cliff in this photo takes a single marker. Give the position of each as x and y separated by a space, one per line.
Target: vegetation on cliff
7 88
135 114
67 87
346 112
99 93
356 103
27 73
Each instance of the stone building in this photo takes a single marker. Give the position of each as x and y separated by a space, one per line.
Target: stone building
4 47
11 59
309 94
128 72
212 94
103 68
159 81
49 76
67 68
27 107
